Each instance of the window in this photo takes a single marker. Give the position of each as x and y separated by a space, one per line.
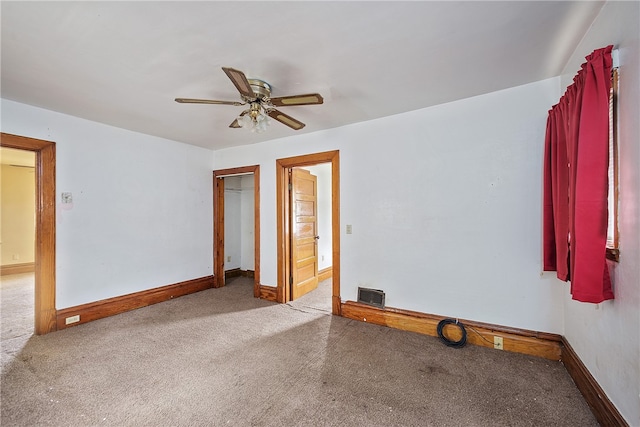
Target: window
613 252
577 170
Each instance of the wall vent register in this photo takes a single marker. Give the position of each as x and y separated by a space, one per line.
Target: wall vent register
374 297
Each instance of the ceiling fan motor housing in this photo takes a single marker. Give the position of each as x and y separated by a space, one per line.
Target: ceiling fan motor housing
260 88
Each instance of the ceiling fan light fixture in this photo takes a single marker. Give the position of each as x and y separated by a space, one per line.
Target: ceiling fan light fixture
256 121
262 123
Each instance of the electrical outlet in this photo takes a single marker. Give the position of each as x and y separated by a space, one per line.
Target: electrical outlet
228 259
72 319
16 257
349 229
497 343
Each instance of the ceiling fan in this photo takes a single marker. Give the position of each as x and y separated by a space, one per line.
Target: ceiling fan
257 94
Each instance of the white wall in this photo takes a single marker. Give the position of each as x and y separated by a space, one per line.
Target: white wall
239 222
247 221
607 336
445 205
142 206
323 174
18 210
232 223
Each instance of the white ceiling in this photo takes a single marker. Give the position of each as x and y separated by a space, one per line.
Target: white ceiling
123 63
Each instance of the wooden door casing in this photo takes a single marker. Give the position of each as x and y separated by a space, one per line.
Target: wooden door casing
218 223
45 245
282 222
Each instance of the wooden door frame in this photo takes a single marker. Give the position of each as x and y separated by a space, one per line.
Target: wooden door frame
218 224
45 245
283 232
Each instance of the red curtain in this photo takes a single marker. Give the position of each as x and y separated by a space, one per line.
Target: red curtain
576 182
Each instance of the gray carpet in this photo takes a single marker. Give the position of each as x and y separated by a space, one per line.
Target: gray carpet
222 358
16 306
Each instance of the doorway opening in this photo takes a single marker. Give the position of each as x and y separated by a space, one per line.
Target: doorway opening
288 225
17 240
45 227
236 207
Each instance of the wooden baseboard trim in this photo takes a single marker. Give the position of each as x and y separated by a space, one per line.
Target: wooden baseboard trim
325 273
26 267
112 306
270 293
236 272
602 408
540 344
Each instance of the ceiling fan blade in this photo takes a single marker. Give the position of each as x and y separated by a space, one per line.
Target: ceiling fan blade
307 99
235 123
240 81
285 119
207 101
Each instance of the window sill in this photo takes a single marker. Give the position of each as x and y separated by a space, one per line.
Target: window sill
613 254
